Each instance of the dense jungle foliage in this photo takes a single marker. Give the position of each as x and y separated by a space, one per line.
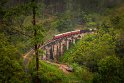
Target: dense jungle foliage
96 58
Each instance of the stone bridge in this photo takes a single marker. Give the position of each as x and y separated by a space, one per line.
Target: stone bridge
56 48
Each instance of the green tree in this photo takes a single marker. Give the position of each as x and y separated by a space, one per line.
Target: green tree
94 47
11 70
117 21
110 70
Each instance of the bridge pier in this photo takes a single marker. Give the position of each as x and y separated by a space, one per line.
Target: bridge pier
51 54
67 44
47 53
63 45
44 57
53 50
73 40
57 53
60 48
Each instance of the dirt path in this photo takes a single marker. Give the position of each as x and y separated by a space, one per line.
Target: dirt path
62 67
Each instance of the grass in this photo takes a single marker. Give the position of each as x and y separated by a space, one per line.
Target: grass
52 74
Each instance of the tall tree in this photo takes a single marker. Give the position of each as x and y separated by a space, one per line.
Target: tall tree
35 37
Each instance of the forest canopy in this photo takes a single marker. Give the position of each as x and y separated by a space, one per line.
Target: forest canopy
27 24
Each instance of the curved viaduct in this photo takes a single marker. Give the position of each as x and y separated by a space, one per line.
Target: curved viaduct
53 49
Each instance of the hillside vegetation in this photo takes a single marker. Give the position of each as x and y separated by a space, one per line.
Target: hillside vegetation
96 58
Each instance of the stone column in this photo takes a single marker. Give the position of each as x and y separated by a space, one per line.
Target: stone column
44 57
53 50
60 48
47 54
57 54
67 44
70 41
51 53
73 40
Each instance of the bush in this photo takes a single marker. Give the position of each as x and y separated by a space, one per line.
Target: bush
82 73
110 70
47 73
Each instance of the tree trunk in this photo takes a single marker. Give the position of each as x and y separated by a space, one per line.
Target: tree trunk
36 45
